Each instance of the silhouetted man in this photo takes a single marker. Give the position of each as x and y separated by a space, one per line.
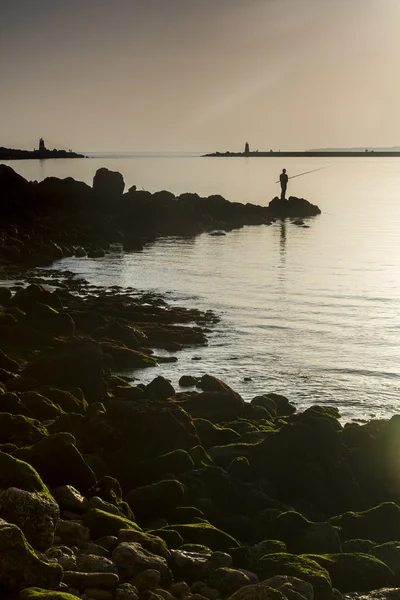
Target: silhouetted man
283 178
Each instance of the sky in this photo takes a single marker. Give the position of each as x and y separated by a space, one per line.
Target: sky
199 75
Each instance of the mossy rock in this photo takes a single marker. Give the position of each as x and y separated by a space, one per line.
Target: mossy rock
65 399
97 465
5 295
224 455
20 567
200 457
302 567
195 548
7 363
41 408
355 572
171 537
102 523
152 470
44 317
11 403
204 534
185 514
379 524
157 499
213 435
218 406
259 591
240 468
33 593
20 474
302 536
247 557
267 403
59 462
125 358
20 430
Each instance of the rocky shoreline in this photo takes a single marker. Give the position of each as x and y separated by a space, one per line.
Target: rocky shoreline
114 490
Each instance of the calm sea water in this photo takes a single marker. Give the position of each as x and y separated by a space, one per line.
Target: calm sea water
312 313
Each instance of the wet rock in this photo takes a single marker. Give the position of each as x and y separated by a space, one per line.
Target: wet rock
131 559
36 514
83 581
160 388
90 563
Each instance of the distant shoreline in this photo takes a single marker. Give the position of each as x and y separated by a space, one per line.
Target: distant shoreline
310 154
16 154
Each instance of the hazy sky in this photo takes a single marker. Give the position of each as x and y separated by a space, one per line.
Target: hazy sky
199 74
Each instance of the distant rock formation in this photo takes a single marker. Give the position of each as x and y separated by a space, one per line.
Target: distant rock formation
43 152
293 207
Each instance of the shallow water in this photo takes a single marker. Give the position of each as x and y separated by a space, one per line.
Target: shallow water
312 313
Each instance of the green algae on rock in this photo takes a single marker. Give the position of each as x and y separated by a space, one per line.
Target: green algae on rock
35 593
102 523
204 534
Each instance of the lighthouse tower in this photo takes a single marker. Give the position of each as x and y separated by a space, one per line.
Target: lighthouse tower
246 148
42 147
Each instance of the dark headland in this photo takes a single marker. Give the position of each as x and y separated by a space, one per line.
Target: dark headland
41 152
115 490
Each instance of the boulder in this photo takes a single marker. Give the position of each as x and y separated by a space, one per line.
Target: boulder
228 580
160 389
19 474
258 591
36 514
355 572
68 498
213 435
301 567
103 524
40 407
72 533
108 184
78 363
204 534
293 588
388 553
151 542
83 581
302 536
34 593
59 462
20 430
379 524
90 563
7 363
217 406
157 499
131 559
65 399
20 567
292 207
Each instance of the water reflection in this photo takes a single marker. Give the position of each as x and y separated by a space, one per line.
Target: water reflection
282 251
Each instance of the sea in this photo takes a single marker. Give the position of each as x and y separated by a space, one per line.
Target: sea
311 312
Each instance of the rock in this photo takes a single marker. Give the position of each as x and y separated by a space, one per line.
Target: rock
83 581
20 567
108 184
388 553
204 534
126 591
363 546
258 591
103 524
157 499
228 580
90 563
131 559
302 536
6 362
248 556
213 435
27 298
77 363
109 542
302 567
72 533
151 542
11 403
147 579
66 400
5 296
20 430
191 566
379 524
36 514
292 587
96 502
34 593
292 207
188 381
40 407
160 389
92 548
355 572
214 406
69 498
59 461
43 317
19 474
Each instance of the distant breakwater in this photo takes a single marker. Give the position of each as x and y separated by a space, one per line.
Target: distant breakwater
309 154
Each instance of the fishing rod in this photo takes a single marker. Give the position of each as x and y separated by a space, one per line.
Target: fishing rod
306 172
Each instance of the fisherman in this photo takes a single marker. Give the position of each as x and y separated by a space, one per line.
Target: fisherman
283 178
